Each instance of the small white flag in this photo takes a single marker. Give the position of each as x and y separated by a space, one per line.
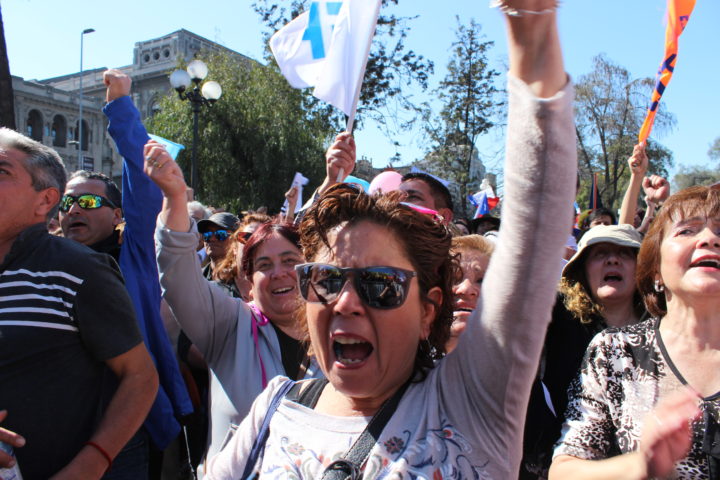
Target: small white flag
299 181
327 48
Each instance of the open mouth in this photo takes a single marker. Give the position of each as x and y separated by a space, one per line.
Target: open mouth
460 311
282 290
613 277
707 263
77 224
351 351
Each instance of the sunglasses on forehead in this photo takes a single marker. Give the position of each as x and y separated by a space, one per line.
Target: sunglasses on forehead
378 287
86 201
221 235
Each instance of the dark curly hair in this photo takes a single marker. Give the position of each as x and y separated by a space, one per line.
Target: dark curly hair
425 243
698 200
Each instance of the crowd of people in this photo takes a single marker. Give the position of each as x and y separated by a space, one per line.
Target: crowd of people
144 335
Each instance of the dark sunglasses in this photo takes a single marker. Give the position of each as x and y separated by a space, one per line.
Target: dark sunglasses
378 287
87 201
221 235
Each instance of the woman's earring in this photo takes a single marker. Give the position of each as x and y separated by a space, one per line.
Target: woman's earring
659 287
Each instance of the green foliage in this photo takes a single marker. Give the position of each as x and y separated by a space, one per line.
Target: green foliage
470 103
714 151
610 108
252 141
688 176
392 69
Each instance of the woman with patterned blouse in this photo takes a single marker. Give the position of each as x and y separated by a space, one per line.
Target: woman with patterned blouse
628 371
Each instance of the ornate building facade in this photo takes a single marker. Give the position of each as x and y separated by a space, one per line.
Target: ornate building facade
47 110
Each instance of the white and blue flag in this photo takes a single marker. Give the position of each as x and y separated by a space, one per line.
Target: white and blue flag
327 47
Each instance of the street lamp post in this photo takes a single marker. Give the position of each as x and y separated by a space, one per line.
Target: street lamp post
80 122
210 92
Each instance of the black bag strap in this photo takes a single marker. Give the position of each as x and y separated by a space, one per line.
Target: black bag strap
351 463
310 395
259 445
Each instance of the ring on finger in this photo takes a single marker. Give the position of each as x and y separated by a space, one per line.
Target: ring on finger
148 158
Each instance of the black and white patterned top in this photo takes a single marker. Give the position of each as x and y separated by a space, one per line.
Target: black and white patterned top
624 373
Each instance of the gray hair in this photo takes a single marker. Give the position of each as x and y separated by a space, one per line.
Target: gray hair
195 206
44 165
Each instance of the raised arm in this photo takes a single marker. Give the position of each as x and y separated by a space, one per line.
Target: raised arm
638 164
497 356
202 309
292 198
339 159
534 47
340 156
141 197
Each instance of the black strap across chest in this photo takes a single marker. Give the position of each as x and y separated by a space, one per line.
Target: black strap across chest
349 466
310 395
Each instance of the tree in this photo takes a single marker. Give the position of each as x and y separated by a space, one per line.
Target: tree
688 176
252 141
714 152
470 102
610 108
7 103
391 67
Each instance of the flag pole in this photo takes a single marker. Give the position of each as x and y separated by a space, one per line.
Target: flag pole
350 124
351 118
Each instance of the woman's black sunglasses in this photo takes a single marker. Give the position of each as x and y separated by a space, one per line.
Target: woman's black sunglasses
378 287
87 201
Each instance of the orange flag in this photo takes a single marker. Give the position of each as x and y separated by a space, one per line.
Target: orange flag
678 13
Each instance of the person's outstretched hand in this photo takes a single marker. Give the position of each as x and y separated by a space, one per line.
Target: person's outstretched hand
163 170
11 438
667 435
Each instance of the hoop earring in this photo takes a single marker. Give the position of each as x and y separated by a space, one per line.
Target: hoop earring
659 287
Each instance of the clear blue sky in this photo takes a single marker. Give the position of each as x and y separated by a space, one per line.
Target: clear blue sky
43 39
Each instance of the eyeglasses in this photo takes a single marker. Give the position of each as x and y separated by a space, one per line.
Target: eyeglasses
378 287
87 201
221 235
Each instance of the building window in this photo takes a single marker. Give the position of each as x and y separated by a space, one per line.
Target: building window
166 53
156 55
59 131
35 125
85 135
146 58
153 105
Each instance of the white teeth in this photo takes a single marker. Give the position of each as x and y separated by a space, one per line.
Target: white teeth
282 290
348 341
349 361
